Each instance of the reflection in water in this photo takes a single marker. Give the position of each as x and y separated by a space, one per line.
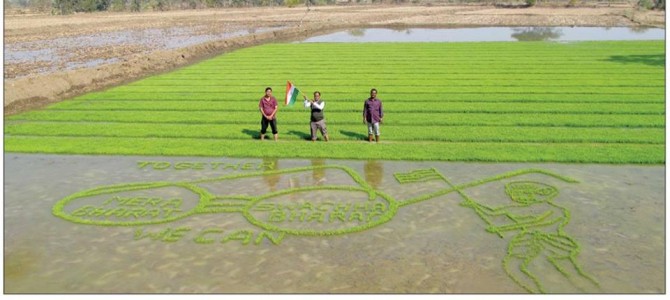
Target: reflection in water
272 179
639 29
526 34
491 34
406 31
318 174
356 32
374 172
414 240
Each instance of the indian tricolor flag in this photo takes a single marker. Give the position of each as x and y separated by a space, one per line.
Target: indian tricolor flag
418 176
291 93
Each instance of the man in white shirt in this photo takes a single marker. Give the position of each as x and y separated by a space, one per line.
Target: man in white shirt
317 120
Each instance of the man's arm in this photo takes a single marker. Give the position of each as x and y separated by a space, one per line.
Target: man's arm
260 107
381 112
365 112
316 104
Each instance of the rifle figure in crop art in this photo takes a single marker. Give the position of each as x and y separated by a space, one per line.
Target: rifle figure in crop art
268 108
317 119
373 114
536 225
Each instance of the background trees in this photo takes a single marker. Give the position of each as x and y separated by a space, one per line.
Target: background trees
72 6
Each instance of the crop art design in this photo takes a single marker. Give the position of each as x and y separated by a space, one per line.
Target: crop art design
334 200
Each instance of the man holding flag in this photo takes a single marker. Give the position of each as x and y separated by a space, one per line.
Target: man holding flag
317 120
268 108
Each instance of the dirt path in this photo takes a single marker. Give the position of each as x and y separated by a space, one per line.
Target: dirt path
76 54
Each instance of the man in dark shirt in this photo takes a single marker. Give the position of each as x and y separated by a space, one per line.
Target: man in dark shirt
373 114
317 120
268 108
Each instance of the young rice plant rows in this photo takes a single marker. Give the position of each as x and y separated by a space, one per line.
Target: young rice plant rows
584 102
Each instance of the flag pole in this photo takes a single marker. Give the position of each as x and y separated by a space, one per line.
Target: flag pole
303 94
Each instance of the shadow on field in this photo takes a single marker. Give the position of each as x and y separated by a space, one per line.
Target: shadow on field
301 135
252 133
657 60
354 135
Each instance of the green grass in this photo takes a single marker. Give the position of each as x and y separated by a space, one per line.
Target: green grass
585 102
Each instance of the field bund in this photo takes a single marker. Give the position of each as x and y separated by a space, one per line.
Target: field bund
586 102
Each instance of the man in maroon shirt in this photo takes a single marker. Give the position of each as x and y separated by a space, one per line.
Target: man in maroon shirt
268 108
373 114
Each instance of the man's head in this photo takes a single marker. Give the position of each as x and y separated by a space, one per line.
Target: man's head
317 95
526 192
373 93
268 91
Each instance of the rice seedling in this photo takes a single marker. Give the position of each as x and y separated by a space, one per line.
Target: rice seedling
582 102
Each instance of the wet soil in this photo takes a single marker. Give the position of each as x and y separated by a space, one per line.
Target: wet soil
614 213
51 58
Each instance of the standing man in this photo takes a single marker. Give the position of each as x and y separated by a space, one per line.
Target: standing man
268 108
373 115
317 120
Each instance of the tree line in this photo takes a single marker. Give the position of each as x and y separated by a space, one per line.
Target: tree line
75 6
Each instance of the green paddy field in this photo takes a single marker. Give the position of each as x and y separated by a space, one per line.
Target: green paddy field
581 102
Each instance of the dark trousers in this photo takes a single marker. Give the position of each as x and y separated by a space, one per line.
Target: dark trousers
264 125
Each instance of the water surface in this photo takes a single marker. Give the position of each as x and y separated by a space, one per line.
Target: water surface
63 53
430 244
491 34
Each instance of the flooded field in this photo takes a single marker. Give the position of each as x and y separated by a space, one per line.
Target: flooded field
491 34
95 224
68 53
